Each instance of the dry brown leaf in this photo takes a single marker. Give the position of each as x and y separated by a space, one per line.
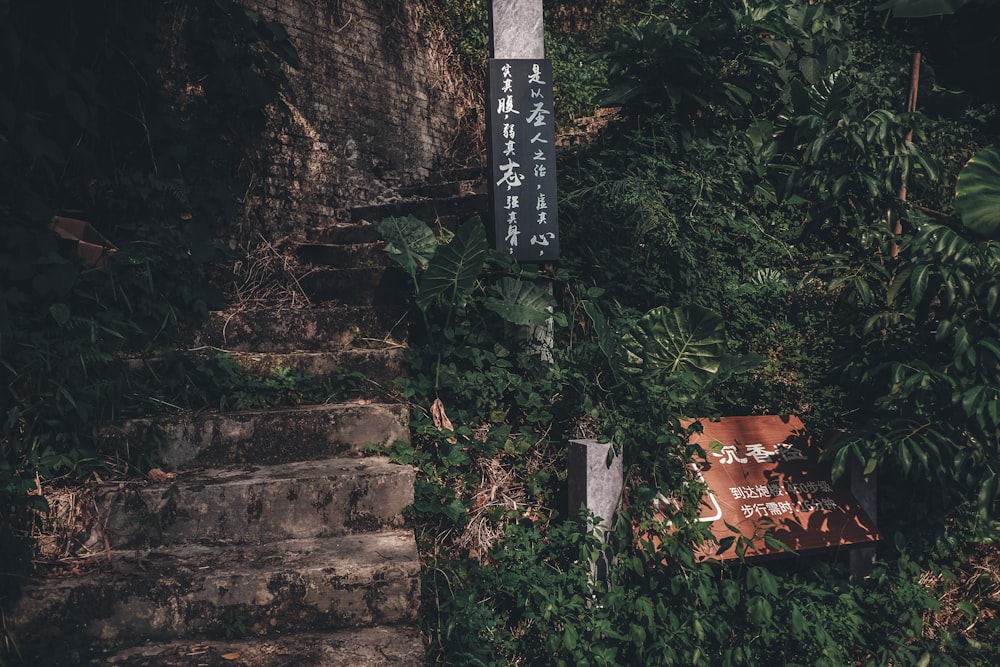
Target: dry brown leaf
235 655
158 475
441 420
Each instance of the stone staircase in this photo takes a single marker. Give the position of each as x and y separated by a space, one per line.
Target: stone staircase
277 539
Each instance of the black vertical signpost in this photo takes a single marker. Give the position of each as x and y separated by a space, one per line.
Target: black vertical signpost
523 197
521 128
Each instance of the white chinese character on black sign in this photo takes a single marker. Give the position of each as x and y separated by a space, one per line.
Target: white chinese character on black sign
522 159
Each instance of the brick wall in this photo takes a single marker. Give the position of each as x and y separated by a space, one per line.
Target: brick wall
376 106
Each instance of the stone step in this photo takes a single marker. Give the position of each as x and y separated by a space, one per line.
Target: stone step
355 287
381 646
265 436
344 233
428 210
439 189
195 591
285 330
380 367
460 174
250 505
353 255
338 375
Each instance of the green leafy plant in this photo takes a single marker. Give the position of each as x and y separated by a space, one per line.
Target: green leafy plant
453 270
234 623
409 242
937 416
445 277
707 223
846 165
464 296
977 194
520 302
922 8
688 341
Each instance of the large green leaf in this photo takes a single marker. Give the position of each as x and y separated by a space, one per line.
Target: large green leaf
977 194
520 302
408 241
916 9
690 339
453 271
607 340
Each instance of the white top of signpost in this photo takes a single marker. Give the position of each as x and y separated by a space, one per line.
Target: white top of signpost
517 29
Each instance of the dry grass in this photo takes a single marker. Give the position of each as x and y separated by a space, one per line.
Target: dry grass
500 498
498 494
266 276
976 583
68 537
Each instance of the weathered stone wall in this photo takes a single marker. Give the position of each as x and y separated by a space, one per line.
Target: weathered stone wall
376 106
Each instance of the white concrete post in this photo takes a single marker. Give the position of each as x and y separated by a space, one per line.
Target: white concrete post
516 29
597 485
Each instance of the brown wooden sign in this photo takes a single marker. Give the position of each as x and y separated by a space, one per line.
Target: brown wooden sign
765 477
